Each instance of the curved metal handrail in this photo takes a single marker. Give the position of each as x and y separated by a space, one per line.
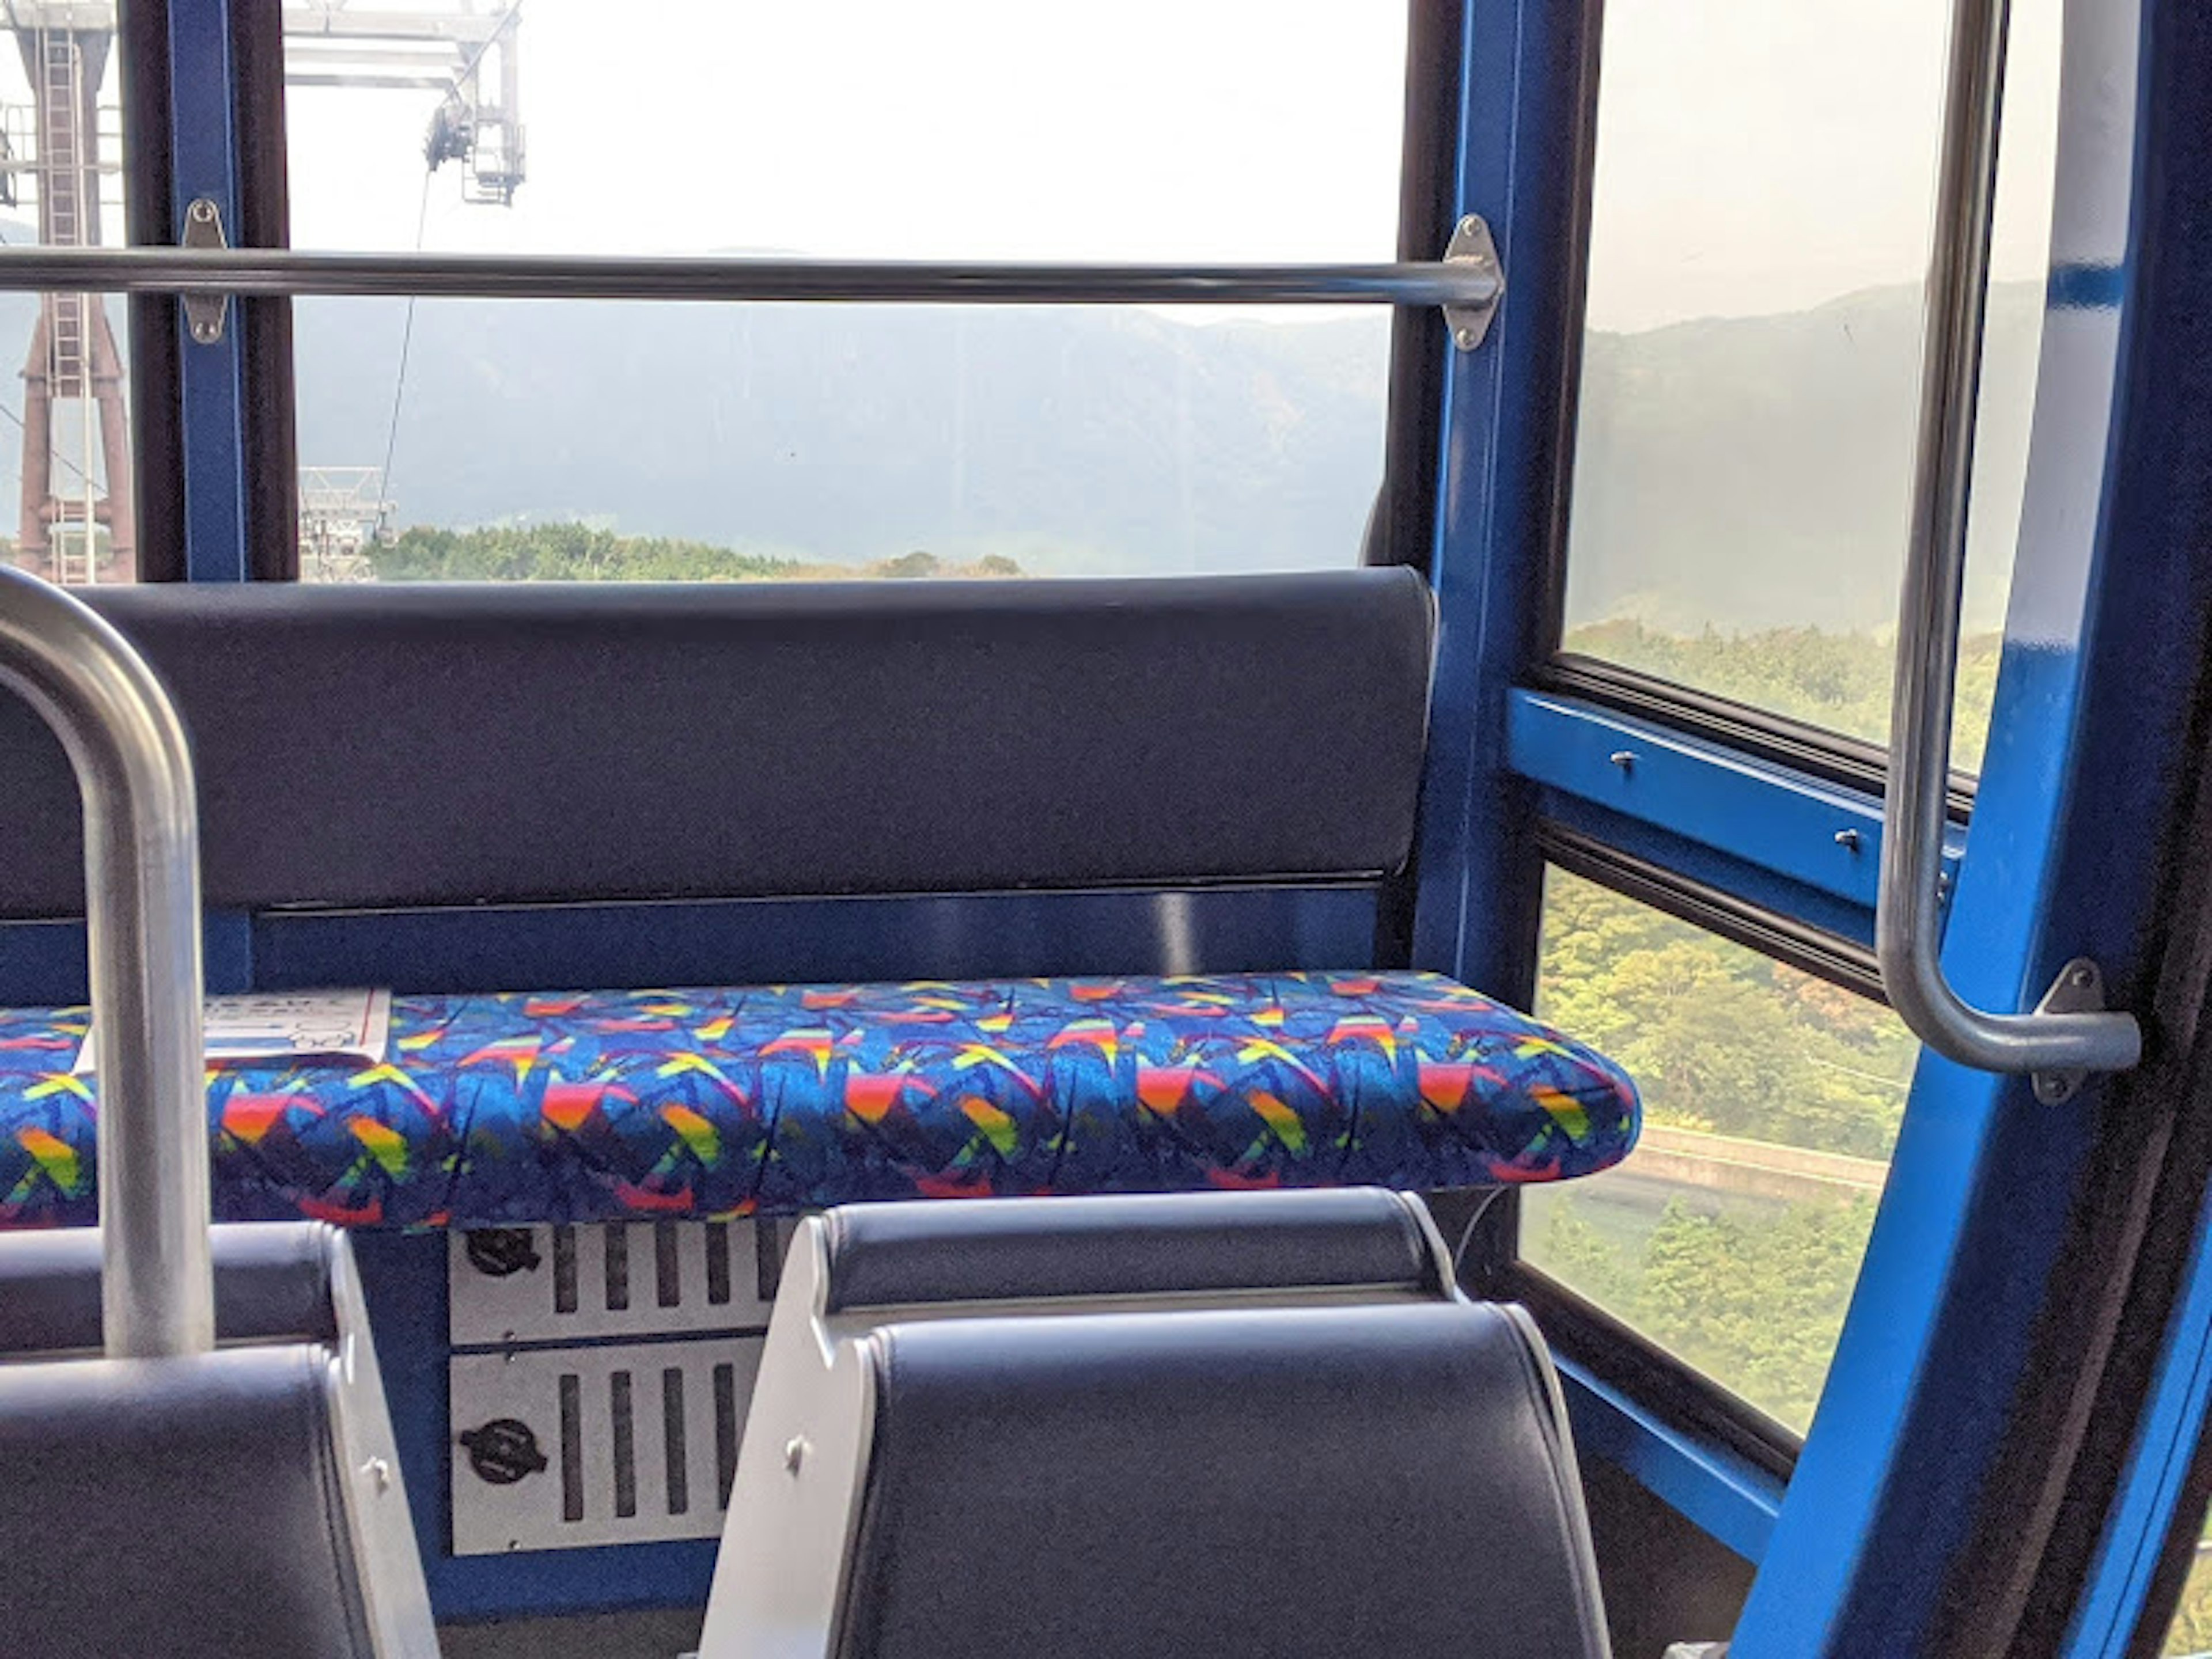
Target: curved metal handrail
1908 917
142 915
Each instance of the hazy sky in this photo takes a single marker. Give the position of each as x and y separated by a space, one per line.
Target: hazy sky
1753 154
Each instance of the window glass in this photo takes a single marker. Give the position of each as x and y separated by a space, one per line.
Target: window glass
65 445
1732 1235
525 439
2189 1636
1763 199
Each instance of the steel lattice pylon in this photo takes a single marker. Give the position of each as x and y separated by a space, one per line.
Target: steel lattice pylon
60 147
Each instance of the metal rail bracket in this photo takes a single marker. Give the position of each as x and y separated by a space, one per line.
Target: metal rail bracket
1472 244
2079 989
204 312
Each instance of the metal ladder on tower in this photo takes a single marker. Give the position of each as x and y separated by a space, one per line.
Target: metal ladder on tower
61 181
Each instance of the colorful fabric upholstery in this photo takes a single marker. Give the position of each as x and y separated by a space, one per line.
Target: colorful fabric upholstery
537 1106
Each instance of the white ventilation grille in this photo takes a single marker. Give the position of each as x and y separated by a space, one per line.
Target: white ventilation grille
630 1444
622 1279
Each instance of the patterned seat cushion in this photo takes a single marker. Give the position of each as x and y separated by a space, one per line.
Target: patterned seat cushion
540 1106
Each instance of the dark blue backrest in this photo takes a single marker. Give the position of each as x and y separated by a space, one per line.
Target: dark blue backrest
362 746
1332 1483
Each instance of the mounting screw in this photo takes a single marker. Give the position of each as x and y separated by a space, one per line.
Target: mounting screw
202 209
1848 840
2083 977
1465 339
795 1454
379 1473
206 333
1624 758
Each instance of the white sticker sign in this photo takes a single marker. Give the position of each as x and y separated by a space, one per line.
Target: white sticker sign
283 1025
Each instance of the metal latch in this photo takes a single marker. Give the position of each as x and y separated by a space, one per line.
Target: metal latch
204 312
1471 244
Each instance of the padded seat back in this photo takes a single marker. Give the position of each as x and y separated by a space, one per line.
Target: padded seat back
1335 1483
295 1400
997 1428
183 1507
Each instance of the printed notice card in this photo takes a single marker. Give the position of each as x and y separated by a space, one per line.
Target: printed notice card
278 1025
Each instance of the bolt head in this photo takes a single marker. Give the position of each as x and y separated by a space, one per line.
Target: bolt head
795 1454
202 211
1465 338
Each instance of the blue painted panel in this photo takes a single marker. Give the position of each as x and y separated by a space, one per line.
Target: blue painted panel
1752 809
204 154
754 941
1731 1501
1480 877
1749 882
42 963
227 952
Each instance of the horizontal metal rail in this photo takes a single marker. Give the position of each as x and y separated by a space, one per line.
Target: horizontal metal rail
1470 283
2070 1034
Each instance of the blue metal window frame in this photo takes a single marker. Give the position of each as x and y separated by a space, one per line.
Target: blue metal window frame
1503 756
2099 649
2101 652
211 411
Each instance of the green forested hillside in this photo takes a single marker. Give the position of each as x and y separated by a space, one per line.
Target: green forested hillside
1749 1290
1823 676
576 552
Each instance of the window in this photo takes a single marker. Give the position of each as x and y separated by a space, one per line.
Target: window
456 438
65 449
1733 1235
1759 230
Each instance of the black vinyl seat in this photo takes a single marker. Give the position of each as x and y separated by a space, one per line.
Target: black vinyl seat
1334 1484
180 1508
243 1502
1219 1423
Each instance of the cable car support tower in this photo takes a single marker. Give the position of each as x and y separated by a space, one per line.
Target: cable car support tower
79 528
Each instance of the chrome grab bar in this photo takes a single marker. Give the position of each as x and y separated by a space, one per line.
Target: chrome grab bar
1458 281
2062 1038
142 915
